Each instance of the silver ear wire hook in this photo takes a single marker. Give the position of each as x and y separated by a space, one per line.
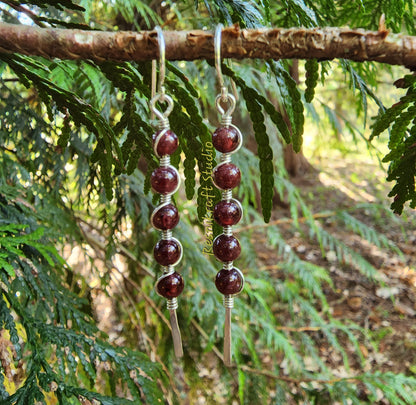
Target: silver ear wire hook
161 95
217 52
162 58
224 96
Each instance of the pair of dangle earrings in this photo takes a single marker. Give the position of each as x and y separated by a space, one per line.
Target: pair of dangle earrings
165 180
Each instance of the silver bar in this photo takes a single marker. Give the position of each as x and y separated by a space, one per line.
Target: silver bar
227 337
176 334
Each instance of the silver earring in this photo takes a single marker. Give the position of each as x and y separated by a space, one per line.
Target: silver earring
227 139
165 180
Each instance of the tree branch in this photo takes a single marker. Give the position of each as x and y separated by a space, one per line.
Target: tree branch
276 43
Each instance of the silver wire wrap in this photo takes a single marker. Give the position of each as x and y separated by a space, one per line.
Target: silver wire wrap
164 160
168 270
227 194
225 158
157 140
228 301
167 234
165 199
228 230
172 304
227 265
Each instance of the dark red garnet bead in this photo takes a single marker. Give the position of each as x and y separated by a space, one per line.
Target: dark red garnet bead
226 139
170 286
167 144
167 252
226 176
165 217
229 282
227 213
226 248
164 180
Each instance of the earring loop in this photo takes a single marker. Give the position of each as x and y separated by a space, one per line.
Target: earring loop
226 115
162 116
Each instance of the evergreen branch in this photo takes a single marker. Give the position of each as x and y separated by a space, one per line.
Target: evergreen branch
95 243
312 75
262 43
21 9
291 99
58 4
254 102
402 144
130 304
32 72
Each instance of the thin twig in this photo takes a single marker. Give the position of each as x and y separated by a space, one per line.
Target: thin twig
214 348
92 240
286 221
146 297
206 337
300 329
137 325
270 374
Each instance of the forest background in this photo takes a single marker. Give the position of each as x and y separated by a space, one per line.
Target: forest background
327 311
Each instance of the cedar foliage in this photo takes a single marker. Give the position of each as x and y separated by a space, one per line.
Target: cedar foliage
402 144
72 134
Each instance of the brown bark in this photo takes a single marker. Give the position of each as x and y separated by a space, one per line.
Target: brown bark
265 43
296 164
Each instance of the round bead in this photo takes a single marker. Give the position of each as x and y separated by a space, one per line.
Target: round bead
167 252
226 139
166 217
170 286
226 248
229 282
168 142
226 176
227 213
164 180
